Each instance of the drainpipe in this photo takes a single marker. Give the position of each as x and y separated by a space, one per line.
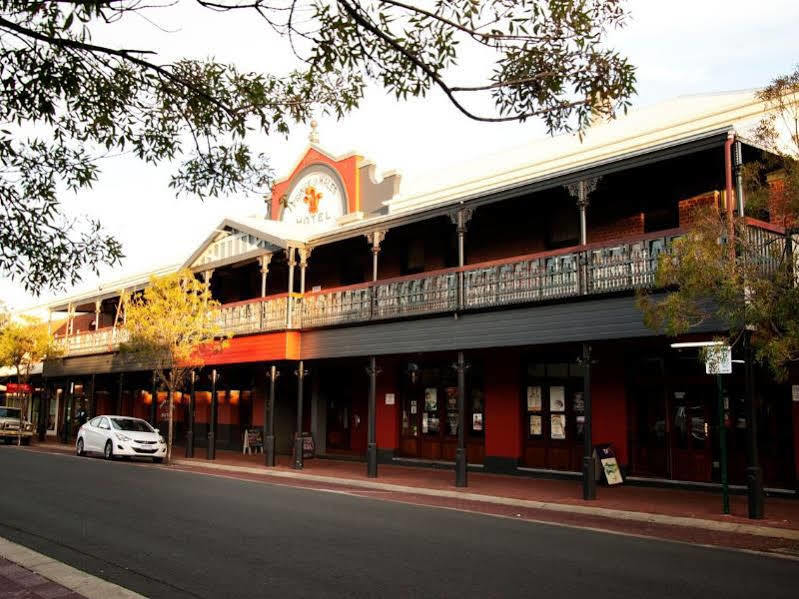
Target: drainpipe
739 185
729 193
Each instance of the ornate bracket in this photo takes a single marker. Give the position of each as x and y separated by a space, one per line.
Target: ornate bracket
581 190
460 218
375 239
304 253
264 261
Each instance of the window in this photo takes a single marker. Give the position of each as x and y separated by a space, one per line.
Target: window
131 424
95 422
104 423
554 406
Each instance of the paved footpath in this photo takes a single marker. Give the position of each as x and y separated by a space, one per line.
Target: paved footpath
27 574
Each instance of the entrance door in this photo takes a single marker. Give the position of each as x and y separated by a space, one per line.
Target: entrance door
691 449
338 424
650 431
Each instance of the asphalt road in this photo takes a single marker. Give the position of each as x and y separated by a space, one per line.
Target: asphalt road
177 534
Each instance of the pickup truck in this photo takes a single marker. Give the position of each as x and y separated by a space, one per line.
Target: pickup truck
10 426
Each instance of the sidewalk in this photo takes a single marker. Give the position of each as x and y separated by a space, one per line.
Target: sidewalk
678 514
26 574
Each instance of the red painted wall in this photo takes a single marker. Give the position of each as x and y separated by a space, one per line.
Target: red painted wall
257 348
503 427
387 417
609 406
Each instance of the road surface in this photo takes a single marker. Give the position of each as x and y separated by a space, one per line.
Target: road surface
177 534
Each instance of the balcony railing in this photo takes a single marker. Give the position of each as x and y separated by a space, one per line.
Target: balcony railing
254 316
92 342
594 269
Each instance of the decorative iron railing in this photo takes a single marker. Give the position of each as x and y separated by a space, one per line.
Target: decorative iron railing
92 342
585 270
254 316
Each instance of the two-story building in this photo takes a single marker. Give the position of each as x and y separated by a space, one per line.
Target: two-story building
506 270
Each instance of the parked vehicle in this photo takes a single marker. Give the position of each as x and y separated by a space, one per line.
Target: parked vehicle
120 436
10 426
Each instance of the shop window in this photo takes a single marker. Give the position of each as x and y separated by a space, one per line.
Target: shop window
553 402
433 413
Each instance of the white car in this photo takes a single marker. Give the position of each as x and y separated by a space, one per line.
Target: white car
120 436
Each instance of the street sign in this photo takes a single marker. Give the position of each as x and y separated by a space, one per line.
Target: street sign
719 360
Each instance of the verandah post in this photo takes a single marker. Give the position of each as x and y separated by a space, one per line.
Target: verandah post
460 453
589 466
210 453
269 418
301 372
190 417
371 447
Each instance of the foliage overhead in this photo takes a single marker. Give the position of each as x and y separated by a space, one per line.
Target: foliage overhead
171 325
24 343
67 99
755 288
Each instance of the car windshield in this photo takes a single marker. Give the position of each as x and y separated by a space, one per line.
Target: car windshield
9 412
131 424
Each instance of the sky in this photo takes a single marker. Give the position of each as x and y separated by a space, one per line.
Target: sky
679 47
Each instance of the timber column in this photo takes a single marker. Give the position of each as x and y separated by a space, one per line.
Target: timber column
154 402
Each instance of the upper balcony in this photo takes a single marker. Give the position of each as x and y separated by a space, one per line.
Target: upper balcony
580 271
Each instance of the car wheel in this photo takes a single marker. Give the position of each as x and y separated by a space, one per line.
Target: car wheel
108 452
158 460
79 449
26 441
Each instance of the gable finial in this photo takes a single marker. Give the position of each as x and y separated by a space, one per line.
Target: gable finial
314 136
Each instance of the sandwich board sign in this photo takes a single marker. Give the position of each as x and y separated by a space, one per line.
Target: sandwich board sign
719 360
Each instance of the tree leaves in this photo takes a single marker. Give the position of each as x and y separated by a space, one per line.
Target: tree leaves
66 101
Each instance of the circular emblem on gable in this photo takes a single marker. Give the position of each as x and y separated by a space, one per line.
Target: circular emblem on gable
316 197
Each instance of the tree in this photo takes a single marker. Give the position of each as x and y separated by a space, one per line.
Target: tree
172 324
728 272
23 344
67 100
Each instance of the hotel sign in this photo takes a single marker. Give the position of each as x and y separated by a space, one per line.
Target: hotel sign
315 198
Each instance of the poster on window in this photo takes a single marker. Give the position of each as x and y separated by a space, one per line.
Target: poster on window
533 398
413 406
535 425
477 422
557 399
578 403
557 426
452 398
425 424
452 424
430 399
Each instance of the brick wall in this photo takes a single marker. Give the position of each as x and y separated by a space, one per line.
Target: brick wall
776 202
692 208
628 226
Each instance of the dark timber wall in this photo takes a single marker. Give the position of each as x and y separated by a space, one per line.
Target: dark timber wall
593 320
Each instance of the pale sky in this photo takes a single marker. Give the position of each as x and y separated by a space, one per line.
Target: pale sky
679 47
